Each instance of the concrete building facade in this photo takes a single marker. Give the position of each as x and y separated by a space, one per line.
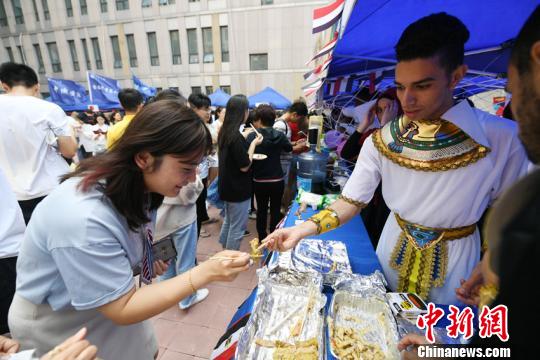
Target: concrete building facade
240 46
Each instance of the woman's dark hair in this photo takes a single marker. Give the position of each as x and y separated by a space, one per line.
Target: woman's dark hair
391 94
113 114
235 113
98 114
440 35
164 127
266 114
170 94
218 110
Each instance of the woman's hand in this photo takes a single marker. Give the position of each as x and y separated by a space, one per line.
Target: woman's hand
74 347
258 140
411 340
8 346
389 113
160 267
225 265
468 292
246 132
287 238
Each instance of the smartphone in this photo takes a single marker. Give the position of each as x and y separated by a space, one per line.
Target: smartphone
163 249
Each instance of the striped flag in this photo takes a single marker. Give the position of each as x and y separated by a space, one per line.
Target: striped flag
326 48
326 16
312 75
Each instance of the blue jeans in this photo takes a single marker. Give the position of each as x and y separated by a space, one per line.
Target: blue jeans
185 241
234 224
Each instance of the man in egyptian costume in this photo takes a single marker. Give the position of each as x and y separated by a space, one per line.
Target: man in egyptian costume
441 165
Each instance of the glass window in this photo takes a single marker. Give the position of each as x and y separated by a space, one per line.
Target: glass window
208 49
39 57
97 53
209 89
258 61
167 2
69 8
116 52
74 56
10 54
17 11
86 56
36 12
176 88
267 2
194 0
196 90
153 49
45 6
175 47
103 6
3 15
84 7
146 3
224 38
226 88
54 57
130 39
122 4
21 54
192 46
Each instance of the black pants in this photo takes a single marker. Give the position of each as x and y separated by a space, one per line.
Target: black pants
8 276
202 214
28 206
265 192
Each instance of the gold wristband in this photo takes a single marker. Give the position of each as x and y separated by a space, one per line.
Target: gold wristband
193 290
325 220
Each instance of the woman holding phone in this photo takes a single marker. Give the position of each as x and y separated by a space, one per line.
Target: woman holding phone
75 263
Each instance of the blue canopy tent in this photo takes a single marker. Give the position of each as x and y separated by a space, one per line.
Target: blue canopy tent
269 96
219 98
374 27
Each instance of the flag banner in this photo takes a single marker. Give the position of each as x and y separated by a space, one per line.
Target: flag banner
147 91
68 94
326 16
103 91
325 50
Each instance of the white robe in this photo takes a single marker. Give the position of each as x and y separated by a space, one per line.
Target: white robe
444 199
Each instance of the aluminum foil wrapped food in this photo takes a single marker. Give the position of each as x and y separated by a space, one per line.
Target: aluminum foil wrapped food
287 320
327 257
364 284
360 322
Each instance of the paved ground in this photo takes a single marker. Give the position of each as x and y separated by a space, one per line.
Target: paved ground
193 333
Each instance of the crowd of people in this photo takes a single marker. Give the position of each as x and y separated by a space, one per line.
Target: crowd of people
85 196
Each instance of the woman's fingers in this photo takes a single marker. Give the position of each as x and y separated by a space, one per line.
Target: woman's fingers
88 354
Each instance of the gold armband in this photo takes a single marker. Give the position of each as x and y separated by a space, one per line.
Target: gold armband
358 204
325 220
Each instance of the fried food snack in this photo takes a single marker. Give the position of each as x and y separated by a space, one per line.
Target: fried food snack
348 344
256 253
300 350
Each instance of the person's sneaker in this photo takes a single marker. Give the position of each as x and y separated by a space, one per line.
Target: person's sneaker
253 215
246 233
199 296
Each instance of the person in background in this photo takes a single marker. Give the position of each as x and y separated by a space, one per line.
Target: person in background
268 175
99 133
200 103
132 102
98 225
170 94
34 135
235 180
115 117
11 236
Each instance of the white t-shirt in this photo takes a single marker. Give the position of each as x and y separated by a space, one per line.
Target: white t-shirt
100 140
11 221
28 127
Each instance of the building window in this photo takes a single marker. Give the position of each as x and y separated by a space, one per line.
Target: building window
86 56
3 15
224 38
226 88
84 7
21 54
36 12
196 90
153 49
17 11
158 89
166 2
267 2
39 57
209 89
192 46
208 49
146 3
54 57
69 8
45 6
103 6
258 61
117 56
74 56
122 4
10 54
175 88
130 39
192 1
97 53
175 47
